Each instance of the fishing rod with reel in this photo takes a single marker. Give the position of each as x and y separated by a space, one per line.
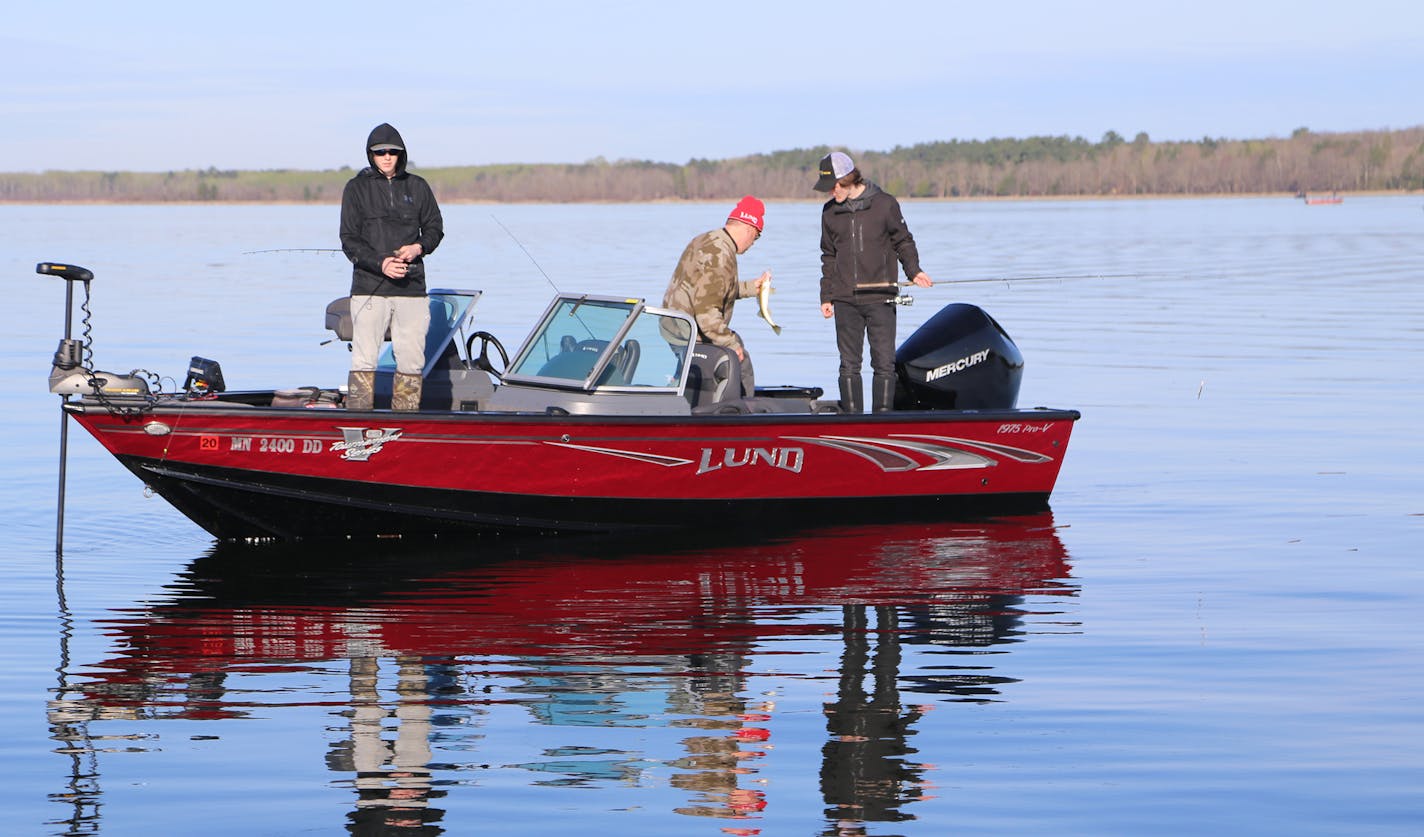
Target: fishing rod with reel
339 317
905 299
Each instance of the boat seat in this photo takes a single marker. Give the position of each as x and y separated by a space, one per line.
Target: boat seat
338 319
574 360
714 376
623 364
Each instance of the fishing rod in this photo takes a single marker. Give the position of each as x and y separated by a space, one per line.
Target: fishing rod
379 285
295 250
1054 278
906 299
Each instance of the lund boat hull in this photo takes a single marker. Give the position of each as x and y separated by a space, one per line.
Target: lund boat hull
290 473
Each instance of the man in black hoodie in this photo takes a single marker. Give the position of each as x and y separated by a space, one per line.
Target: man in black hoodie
863 235
389 223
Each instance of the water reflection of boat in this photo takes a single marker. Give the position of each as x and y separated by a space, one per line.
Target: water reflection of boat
626 640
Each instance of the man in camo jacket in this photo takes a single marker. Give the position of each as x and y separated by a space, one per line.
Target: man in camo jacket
705 283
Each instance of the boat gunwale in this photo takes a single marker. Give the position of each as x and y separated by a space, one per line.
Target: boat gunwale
217 407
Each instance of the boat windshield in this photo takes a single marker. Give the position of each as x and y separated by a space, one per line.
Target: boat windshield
607 343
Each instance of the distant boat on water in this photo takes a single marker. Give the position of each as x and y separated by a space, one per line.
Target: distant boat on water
1321 200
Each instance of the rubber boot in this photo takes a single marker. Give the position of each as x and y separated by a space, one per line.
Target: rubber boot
405 392
360 390
882 393
851 397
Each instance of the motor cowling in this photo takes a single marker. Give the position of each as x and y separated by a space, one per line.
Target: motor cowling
960 359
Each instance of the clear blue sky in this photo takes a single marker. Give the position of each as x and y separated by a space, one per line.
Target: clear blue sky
155 86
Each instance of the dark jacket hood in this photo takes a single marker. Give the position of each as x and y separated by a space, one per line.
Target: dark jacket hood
385 133
860 203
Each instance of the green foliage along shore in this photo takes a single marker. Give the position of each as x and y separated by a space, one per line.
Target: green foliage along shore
1036 167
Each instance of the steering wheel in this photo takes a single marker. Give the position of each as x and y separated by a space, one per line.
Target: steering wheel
483 361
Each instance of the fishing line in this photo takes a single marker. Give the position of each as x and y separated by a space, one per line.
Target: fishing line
527 253
573 313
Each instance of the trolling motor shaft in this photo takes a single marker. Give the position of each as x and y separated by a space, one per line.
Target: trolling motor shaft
69 356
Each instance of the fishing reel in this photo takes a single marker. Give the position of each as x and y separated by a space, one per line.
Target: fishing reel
902 299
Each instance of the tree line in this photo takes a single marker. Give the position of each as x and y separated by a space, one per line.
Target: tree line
1036 167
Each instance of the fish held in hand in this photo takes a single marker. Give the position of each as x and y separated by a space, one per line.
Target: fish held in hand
764 304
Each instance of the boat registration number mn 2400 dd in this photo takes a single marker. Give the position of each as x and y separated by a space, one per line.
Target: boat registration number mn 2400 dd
262 444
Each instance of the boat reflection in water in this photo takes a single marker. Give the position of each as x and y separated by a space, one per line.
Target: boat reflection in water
438 653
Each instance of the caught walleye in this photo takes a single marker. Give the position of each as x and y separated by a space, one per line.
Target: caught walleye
764 304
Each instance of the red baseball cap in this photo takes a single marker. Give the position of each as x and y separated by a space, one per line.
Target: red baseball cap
749 210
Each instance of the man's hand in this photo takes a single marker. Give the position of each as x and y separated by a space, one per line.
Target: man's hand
411 252
394 268
828 310
922 279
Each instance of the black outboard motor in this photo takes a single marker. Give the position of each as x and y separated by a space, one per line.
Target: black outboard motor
960 359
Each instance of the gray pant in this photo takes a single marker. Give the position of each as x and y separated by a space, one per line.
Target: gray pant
406 317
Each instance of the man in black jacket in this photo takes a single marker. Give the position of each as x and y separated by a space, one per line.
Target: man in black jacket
863 234
389 223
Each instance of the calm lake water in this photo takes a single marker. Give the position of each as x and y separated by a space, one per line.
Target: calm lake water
1217 629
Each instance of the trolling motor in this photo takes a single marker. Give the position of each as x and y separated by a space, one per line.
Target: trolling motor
69 375
126 395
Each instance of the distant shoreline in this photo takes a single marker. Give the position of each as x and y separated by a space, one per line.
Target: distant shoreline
1035 168
811 200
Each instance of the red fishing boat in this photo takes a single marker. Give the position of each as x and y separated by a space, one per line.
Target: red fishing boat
1322 200
610 417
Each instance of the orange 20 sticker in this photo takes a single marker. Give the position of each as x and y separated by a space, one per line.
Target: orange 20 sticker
207 443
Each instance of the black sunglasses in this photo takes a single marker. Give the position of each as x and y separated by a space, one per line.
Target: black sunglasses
382 152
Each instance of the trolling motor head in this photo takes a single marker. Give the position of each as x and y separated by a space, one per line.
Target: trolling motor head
71 272
67 375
